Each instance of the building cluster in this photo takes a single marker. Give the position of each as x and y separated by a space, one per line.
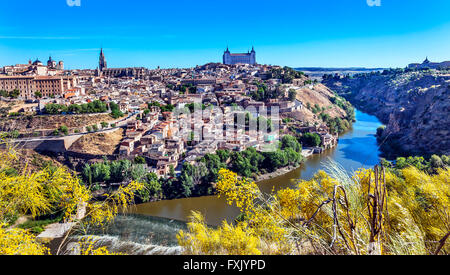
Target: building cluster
427 64
208 106
36 80
328 140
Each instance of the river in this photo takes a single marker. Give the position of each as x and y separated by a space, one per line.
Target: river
356 148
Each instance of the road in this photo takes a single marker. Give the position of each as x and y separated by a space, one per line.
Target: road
119 124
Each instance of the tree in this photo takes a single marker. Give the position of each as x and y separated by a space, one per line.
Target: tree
38 94
138 172
75 109
274 160
101 172
63 129
115 110
255 157
14 93
153 188
186 186
139 160
418 162
241 165
294 157
436 162
213 164
289 141
194 174
120 170
224 155
292 95
311 139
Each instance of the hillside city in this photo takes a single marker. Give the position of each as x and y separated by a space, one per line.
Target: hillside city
138 136
169 116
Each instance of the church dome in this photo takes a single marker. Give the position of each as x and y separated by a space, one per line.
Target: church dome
37 62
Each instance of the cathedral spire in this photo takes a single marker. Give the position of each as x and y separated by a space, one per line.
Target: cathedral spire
102 61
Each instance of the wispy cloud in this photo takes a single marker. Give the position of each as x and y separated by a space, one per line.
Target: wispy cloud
40 37
121 37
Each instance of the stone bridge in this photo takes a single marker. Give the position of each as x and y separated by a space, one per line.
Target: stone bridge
54 144
47 144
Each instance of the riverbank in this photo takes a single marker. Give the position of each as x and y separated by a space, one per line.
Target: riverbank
285 170
277 173
357 148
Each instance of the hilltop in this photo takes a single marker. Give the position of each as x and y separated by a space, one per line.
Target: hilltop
317 95
318 72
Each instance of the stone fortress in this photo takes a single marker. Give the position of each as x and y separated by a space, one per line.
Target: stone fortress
239 58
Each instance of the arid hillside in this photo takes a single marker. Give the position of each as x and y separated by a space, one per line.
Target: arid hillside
26 124
318 95
30 160
98 143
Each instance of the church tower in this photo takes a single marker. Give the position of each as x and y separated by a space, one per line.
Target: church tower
253 56
102 61
227 57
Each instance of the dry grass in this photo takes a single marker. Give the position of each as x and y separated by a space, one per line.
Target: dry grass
98 143
320 95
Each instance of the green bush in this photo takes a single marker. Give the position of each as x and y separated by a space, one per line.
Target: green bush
311 139
63 129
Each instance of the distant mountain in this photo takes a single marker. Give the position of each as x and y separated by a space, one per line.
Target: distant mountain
318 72
349 69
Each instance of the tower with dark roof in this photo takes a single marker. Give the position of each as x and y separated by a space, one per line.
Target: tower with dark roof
102 61
51 64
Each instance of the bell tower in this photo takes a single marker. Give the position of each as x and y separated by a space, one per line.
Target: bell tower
102 61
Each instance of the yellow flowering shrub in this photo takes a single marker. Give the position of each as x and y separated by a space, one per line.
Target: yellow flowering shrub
427 199
289 201
19 242
87 248
262 232
45 192
242 192
225 240
373 212
104 212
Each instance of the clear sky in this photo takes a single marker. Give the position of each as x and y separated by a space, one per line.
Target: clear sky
185 33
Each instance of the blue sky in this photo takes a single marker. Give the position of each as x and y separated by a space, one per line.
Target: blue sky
185 33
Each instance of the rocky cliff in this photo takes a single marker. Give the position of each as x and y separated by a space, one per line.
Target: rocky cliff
414 105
